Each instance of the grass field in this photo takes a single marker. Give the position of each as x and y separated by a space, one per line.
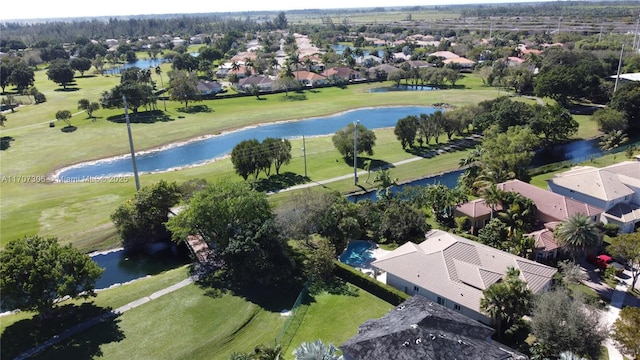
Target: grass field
79 213
185 324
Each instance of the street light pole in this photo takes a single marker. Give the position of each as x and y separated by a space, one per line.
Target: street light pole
304 154
615 87
133 152
355 152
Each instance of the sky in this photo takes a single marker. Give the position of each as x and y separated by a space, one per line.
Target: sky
43 9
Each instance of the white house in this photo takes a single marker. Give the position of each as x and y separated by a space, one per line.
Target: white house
454 271
615 188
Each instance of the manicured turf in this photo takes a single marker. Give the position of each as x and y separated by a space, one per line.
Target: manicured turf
335 318
79 213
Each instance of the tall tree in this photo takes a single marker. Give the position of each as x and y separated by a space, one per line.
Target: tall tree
35 272
508 152
60 72
238 223
343 140
245 157
610 119
64 115
627 100
627 247
183 87
277 152
88 107
626 329
406 130
141 220
553 122
562 322
22 76
80 64
577 235
506 302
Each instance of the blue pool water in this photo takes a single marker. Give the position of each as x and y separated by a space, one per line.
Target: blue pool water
358 254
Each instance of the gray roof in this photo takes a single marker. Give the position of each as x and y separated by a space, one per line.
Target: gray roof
459 269
608 183
421 329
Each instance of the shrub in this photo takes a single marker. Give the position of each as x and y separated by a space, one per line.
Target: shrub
363 281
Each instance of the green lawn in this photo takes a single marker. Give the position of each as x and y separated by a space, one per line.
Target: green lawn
335 318
79 213
185 324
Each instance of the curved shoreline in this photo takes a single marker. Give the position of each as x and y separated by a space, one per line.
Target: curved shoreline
54 176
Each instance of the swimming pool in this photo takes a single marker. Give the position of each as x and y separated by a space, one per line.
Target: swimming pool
358 254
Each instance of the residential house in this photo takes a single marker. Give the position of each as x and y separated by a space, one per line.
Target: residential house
614 188
421 329
381 71
206 87
310 79
551 208
462 63
445 55
342 74
454 271
265 83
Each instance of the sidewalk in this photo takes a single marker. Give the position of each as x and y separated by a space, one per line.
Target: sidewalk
91 322
617 300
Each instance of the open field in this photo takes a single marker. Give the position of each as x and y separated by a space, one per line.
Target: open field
186 324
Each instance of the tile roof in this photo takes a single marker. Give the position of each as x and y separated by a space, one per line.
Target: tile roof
475 208
606 183
544 240
624 213
445 54
553 205
459 269
422 329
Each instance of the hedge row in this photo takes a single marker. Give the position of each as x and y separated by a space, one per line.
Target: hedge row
367 283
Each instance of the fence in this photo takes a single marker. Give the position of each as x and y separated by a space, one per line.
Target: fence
297 313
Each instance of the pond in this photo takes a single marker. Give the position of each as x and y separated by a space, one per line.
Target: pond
402 87
121 267
142 64
201 151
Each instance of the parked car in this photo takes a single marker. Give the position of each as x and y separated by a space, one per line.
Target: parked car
603 261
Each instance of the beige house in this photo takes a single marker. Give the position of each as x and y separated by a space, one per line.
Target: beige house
454 271
614 188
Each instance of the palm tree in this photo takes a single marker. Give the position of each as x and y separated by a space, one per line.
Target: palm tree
268 353
159 73
507 301
315 350
577 235
294 59
492 197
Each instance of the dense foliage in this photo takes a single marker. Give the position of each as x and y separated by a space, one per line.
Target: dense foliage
141 220
35 272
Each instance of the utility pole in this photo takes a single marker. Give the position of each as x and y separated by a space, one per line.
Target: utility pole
559 22
634 46
615 87
133 152
304 154
355 152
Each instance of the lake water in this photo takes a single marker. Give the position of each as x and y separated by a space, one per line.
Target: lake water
339 49
201 151
402 87
142 64
121 267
